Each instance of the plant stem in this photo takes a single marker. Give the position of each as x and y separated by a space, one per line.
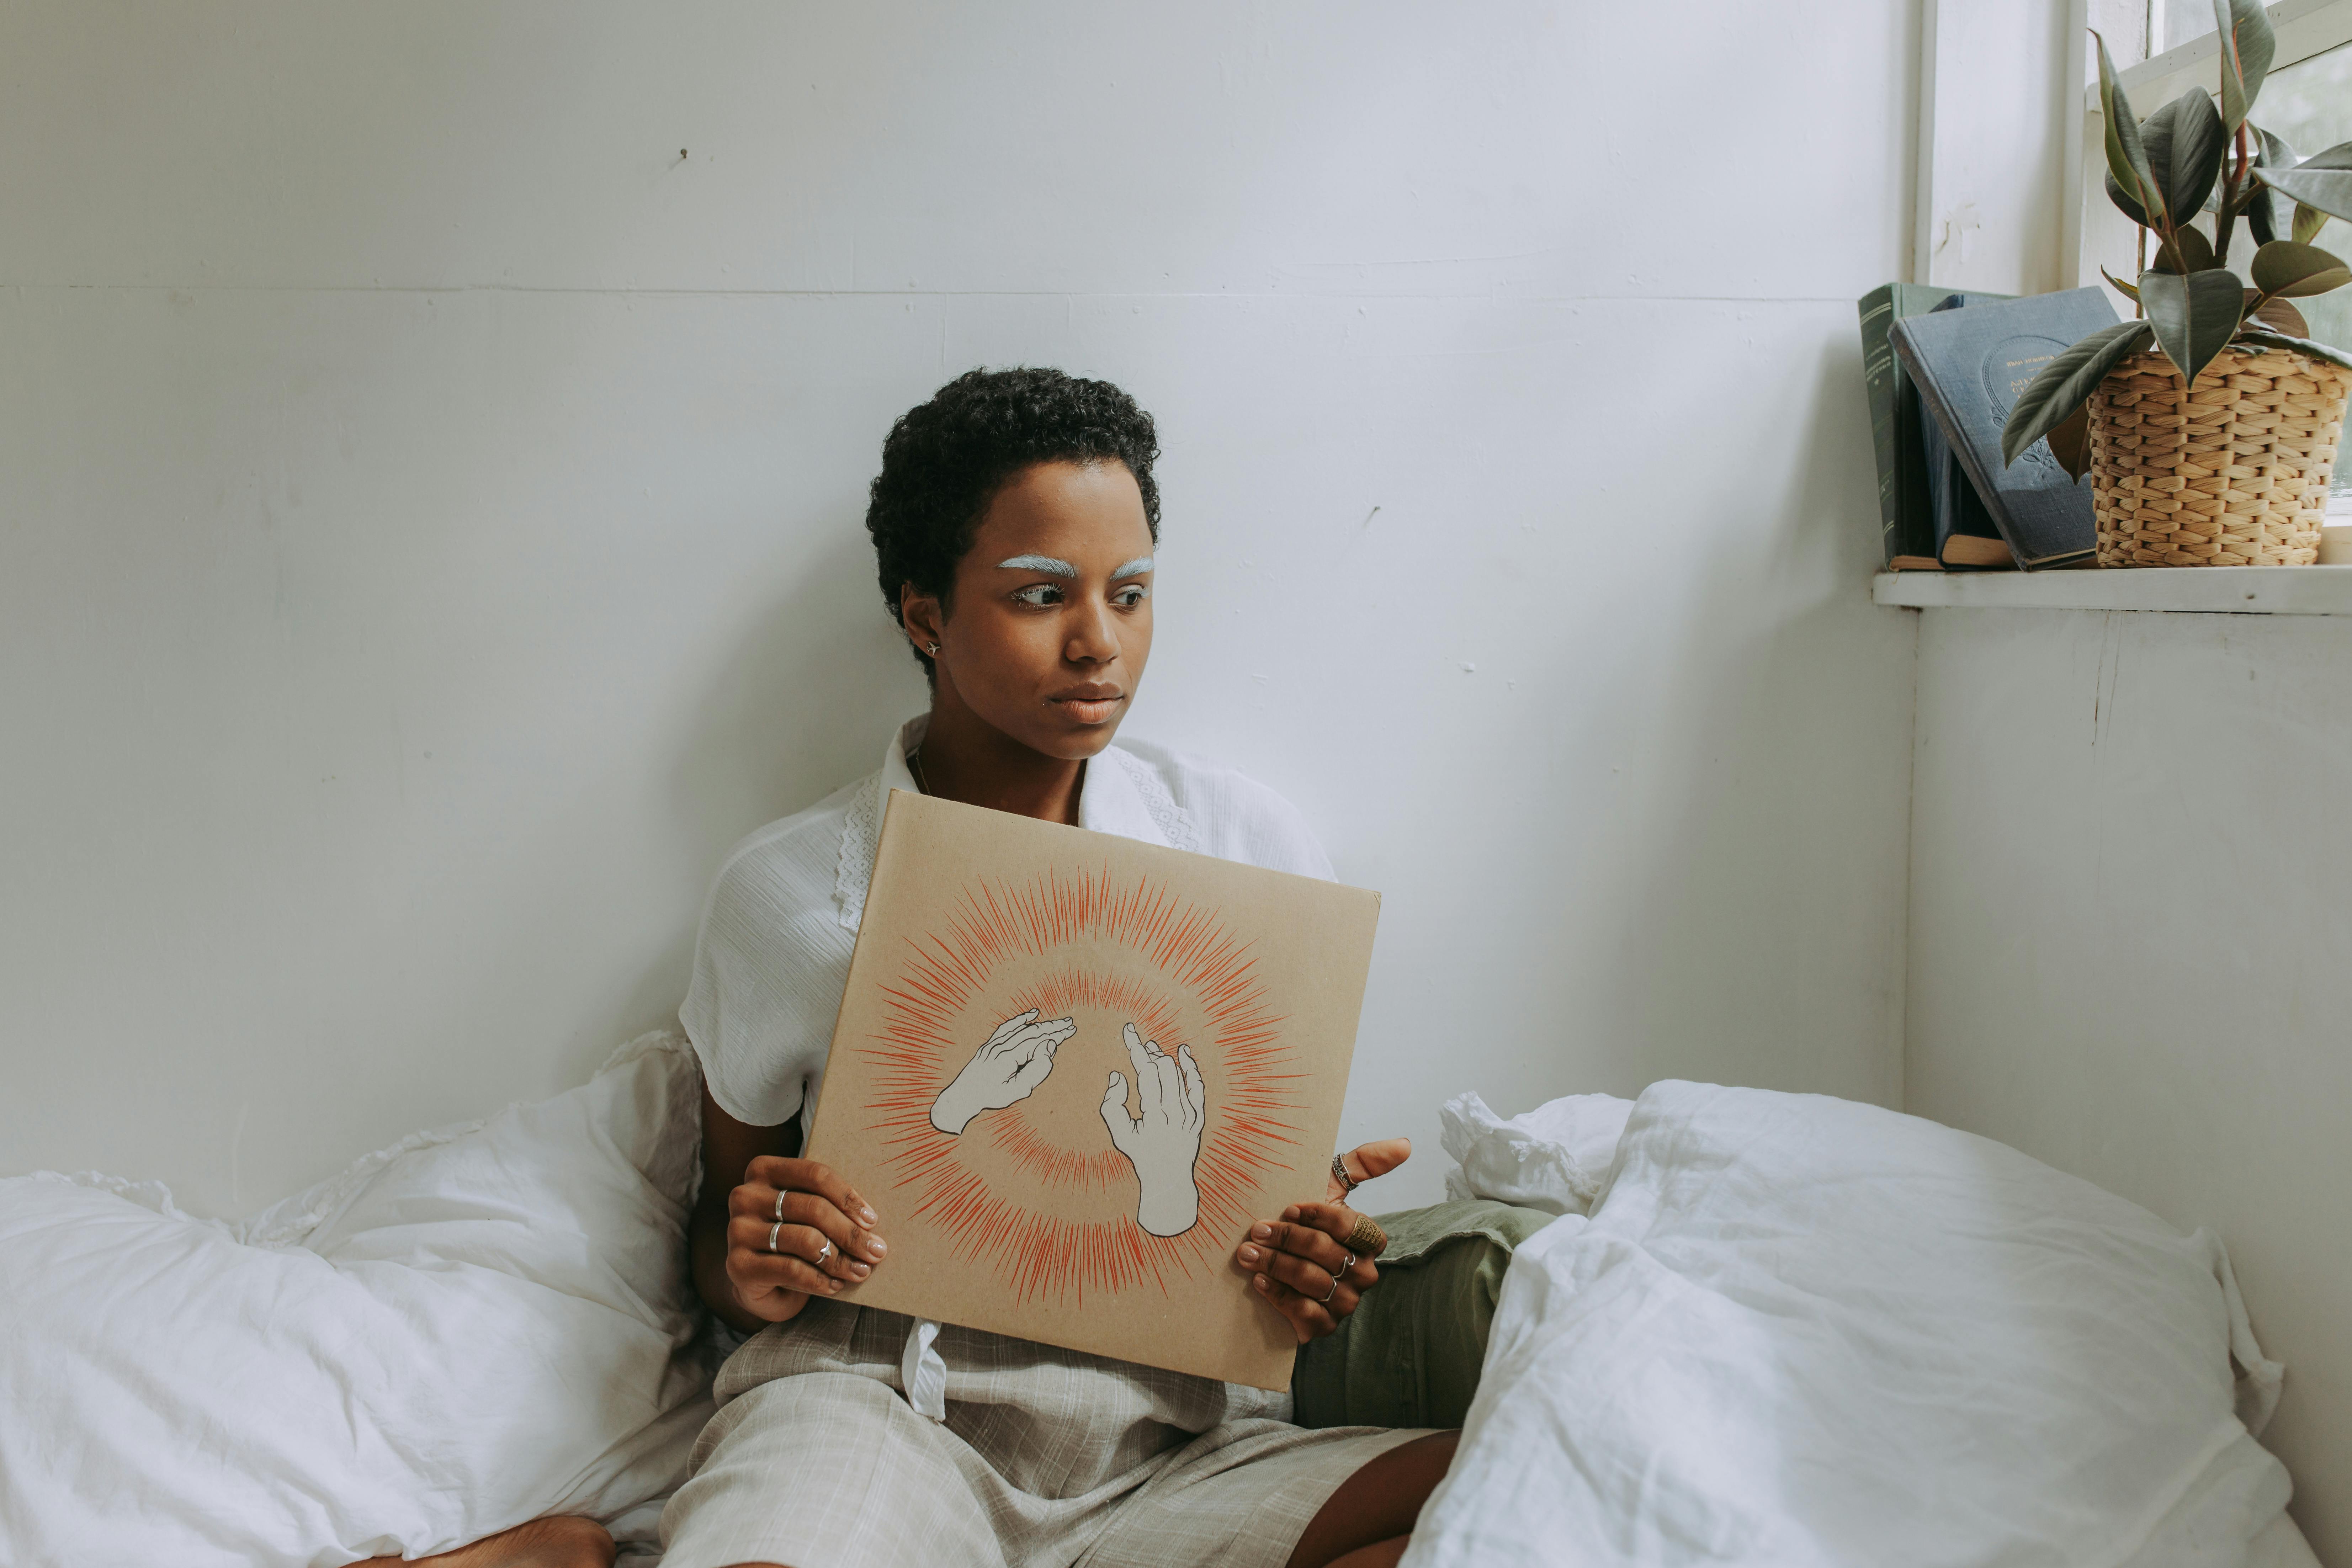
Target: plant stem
2226 218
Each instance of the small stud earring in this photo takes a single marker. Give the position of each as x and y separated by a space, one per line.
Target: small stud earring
935 650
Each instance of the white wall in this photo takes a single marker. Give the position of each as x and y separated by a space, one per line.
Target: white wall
429 514
2131 947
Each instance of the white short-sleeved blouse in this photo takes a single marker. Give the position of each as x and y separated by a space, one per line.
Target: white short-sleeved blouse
772 955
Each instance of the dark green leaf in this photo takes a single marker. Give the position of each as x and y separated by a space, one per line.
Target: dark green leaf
2065 384
2124 203
2128 290
2294 272
2260 213
2127 158
2070 442
2278 315
2194 316
2267 213
2323 180
2308 222
2185 142
2308 347
2247 47
2194 254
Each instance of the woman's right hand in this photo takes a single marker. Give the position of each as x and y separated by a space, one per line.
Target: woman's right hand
825 1240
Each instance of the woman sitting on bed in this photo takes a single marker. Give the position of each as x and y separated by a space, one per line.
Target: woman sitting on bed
1014 518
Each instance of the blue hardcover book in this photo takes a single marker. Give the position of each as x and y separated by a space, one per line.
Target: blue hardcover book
1969 366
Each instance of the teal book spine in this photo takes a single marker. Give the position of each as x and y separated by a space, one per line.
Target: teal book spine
1906 516
1906 504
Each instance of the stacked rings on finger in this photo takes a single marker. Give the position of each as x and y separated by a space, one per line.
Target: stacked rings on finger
1348 1183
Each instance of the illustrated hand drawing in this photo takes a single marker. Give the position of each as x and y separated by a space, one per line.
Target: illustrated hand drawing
1164 1142
1047 1197
1008 1066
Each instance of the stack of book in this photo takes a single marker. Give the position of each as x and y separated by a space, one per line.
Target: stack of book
1942 370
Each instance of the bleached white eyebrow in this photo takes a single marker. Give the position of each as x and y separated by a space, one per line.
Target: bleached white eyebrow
1135 567
1046 564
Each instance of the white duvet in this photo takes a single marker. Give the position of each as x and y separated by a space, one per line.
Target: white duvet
1792 1331
1799 1330
469 1329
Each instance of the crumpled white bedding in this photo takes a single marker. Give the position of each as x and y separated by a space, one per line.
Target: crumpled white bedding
1553 1158
471 1329
1792 1331
1799 1330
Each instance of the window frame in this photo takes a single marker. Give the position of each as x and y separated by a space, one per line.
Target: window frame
2306 28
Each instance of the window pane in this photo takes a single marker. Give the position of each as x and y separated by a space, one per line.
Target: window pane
2181 20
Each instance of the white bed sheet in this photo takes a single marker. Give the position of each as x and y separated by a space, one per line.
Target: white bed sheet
474 1328
1793 1331
1799 1330
2281 1545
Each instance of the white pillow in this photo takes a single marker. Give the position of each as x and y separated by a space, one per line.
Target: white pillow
475 1328
1552 1158
1797 1331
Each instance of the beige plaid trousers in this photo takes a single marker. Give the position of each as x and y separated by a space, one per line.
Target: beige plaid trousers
1048 1457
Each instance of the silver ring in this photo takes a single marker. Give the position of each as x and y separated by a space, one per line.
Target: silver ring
771 1234
780 1208
1349 1264
1348 1183
1328 1295
823 1253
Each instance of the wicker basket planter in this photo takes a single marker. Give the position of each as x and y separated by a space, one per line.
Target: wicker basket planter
2233 475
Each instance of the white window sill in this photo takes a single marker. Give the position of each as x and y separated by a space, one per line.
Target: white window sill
2200 590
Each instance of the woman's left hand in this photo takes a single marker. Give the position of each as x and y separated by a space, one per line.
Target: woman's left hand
1298 1262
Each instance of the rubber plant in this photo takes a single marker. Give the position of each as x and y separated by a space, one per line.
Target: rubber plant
2192 160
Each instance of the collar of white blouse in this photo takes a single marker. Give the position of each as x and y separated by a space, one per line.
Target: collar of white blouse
1116 795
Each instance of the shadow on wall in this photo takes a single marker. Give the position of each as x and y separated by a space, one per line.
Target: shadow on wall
803 705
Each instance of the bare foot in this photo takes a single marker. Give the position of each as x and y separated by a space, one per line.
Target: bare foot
566 1542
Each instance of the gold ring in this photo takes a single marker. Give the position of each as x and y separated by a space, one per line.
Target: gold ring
1365 1239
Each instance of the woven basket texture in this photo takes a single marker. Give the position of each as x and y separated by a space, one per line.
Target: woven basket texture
2234 474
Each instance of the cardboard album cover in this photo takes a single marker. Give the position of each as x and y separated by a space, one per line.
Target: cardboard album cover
1071 1070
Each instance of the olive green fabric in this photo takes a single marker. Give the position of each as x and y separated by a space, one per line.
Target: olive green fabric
1409 1355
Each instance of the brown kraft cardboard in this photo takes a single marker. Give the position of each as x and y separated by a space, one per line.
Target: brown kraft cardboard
1071 1070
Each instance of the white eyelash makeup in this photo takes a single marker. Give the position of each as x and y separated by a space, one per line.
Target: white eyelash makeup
1046 564
1140 565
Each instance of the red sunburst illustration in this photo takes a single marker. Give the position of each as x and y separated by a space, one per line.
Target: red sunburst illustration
1105 951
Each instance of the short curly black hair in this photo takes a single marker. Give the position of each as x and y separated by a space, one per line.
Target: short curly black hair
945 461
